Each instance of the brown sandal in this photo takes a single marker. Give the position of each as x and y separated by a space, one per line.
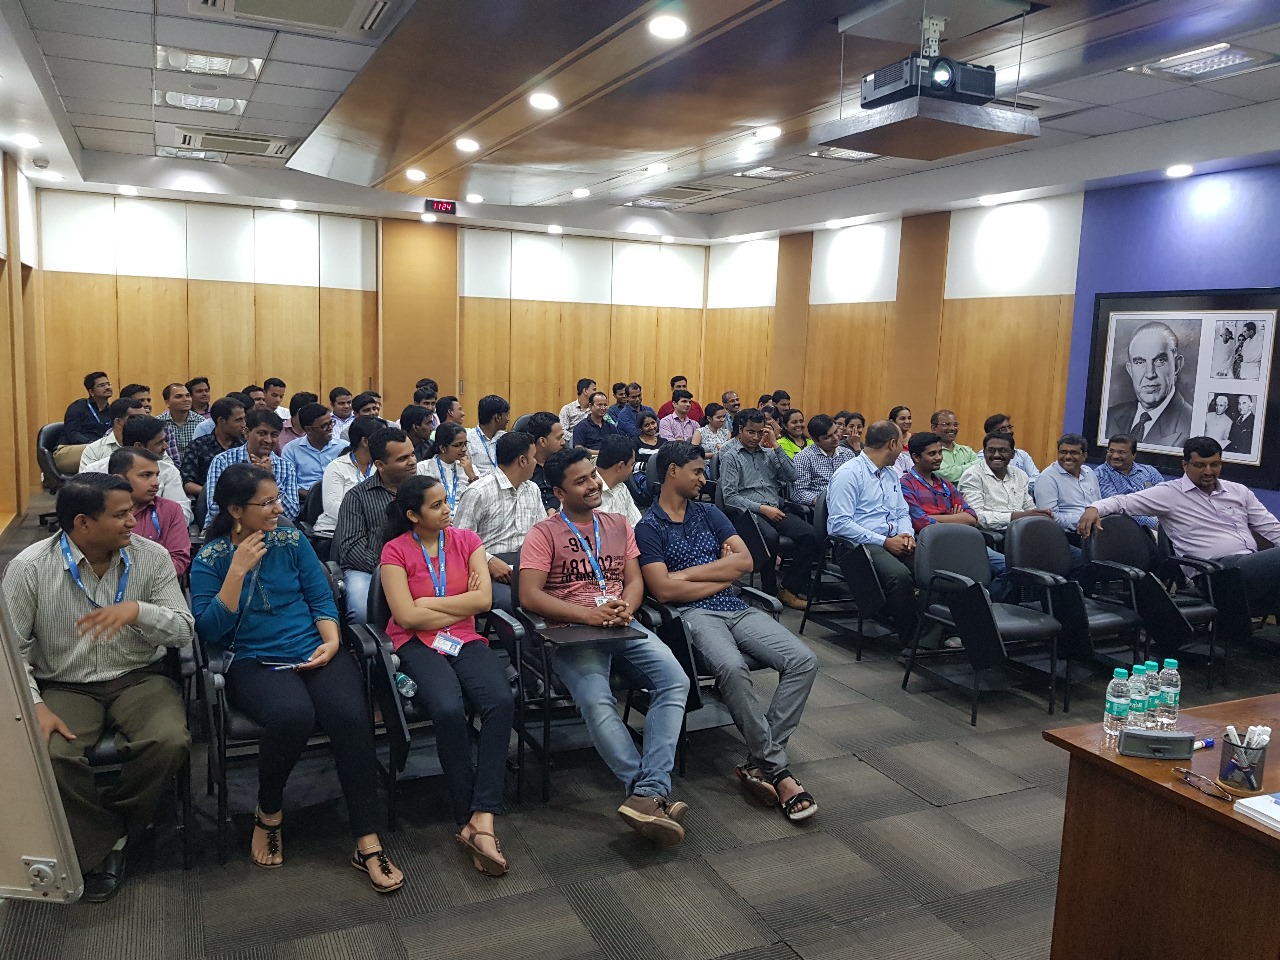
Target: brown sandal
487 864
360 860
752 779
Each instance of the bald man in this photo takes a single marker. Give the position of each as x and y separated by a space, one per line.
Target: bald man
1159 415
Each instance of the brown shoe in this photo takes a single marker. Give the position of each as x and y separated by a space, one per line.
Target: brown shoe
789 599
676 809
648 816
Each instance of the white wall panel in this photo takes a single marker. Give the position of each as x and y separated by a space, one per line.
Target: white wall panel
220 243
586 270
151 238
637 273
743 274
536 267
857 264
286 248
485 263
348 253
28 232
1024 249
683 271
78 232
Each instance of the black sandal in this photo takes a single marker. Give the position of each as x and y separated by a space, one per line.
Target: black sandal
360 860
759 788
789 806
272 831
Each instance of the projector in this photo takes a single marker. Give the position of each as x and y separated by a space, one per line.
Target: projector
939 77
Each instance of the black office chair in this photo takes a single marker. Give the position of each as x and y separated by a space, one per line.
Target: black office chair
51 478
762 540
831 602
312 509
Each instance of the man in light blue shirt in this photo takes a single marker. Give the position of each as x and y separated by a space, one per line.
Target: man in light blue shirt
1068 486
316 448
865 506
1121 474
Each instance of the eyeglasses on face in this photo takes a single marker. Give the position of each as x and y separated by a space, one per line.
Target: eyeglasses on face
1203 784
270 502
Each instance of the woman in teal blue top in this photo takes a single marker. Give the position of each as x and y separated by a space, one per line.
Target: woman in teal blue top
259 593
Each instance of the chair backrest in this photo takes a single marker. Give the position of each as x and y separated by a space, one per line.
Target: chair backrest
860 576
820 515
1038 543
49 472
976 622
379 611
522 423
955 547
200 509
1164 622
515 581
314 505
1121 539
50 436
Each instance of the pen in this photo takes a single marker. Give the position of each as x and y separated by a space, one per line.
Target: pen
1202 744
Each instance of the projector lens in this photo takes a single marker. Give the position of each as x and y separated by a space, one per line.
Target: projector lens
943 73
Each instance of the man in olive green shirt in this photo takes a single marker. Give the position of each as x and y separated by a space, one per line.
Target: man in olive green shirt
956 457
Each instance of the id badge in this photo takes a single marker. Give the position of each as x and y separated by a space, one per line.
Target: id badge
447 644
604 598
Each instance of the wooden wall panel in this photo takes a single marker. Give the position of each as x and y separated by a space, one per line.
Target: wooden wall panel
583 350
287 336
791 319
221 334
922 278
153 333
421 317
80 328
12 428
348 341
677 350
738 341
1007 355
485 327
535 350
845 361
634 342
38 411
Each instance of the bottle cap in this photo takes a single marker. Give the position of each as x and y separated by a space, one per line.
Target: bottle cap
1139 669
1171 664
1152 665
1120 673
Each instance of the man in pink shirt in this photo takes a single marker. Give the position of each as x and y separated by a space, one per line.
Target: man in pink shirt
1208 518
679 424
159 519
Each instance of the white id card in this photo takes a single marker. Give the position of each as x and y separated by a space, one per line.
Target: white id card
604 598
447 644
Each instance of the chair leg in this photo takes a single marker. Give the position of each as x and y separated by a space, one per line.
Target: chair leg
911 660
186 821
224 814
857 644
682 745
973 710
814 585
1053 676
548 692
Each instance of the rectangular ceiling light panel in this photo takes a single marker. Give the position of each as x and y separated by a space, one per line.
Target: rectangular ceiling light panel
208 63
362 19
1208 63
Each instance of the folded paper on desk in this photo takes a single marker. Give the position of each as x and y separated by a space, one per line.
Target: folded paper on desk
1265 809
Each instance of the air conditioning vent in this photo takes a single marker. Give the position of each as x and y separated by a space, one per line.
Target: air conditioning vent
221 141
357 19
774 174
669 198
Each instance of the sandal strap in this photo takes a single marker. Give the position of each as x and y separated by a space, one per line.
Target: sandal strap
799 798
273 834
384 862
781 775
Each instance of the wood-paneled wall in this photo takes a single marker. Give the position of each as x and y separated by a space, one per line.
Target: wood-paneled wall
737 346
845 365
420 310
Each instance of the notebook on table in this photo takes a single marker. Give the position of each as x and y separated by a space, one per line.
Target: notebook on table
581 633
1265 809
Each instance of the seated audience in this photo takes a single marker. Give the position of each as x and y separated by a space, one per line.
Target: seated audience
494 413
357 536
865 505
436 580
367 404
259 593
616 458
340 403
766 400
140 392
228 419
85 421
956 457
92 632
679 424
345 471
753 476
716 432
119 411
147 433
201 395
782 400
855 425
503 507
1122 474
815 464
418 422
647 441
1207 517
291 430
691 557
793 439
590 432
1002 423
258 397
205 427
578 409
732 402
262 427
549 439
273 394
630 415
998 492
558 586
316 448
180 421
619 401
1065 488
156 518
901 416
449 410
695 410
449 462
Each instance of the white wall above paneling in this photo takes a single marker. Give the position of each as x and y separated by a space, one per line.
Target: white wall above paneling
857 264
743 274
220 243
1024 249
637 273
485 263
28 235
684 273
348 253
286 248
536 267
78 232
151 238
587 270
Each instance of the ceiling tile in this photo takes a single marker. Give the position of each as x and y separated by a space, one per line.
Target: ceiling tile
75 47
116 141
1188 102
89 21
300 75
135 6
88 90
1100 121
280 128
279 111
213 37
197 118
171 80
293 96
1050 138
109 74
104 108
111 123
1111 88
1268 40
1260 85
295 48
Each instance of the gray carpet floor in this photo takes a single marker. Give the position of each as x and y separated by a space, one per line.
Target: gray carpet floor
934 839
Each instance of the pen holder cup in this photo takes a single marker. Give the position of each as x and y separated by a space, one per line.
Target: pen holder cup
1241 769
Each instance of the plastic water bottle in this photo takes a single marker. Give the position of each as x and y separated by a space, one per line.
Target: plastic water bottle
1117 712
1137 698
1153 692
1170 695
405 685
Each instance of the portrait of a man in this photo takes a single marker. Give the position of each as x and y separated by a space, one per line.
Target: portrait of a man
1153 361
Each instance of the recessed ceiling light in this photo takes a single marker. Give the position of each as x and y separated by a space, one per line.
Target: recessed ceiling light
289 204
466 145
25 140
768 133
581 192
555 228
667 27
416 175
474 198
1179 170
656 168
48 175
128 191
208 63
668 238
427 218
543 101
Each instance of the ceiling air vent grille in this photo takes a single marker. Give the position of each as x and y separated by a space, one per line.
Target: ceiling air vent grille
669 198
222 141
352 18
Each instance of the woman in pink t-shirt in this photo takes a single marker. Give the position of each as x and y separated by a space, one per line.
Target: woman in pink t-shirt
436 579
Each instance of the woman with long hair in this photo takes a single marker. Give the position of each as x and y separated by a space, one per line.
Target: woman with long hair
436 579
716 432
648 442
855 424
349 468
902 417
259 593
448 462
793 439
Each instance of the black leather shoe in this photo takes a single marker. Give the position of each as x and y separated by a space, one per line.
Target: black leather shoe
101 885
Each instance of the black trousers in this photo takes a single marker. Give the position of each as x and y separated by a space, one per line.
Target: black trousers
798 570
290 704
899 587
445 684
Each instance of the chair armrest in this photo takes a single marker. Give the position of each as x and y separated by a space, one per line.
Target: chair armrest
799 509
366 640
758 598
1195 563
1035 578
955 581
1110 570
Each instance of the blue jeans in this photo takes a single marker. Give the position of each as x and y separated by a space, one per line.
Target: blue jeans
585 668
356 584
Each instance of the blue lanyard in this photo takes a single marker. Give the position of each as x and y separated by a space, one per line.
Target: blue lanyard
368 470
591 555
93 408
450 495
74 569
487 451
439 580
155 521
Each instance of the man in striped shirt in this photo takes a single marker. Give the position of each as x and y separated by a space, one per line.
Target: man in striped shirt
815 464
179 420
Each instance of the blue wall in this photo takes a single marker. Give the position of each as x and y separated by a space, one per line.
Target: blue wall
1216 231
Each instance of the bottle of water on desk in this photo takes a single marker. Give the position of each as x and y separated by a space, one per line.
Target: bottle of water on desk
1170 694
1117 712
1153 692
1137 698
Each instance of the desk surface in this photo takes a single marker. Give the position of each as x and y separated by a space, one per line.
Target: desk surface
1087 743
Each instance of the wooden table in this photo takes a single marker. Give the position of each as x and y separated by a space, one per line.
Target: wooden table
1130 821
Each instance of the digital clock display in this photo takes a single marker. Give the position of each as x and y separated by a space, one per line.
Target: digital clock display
449 207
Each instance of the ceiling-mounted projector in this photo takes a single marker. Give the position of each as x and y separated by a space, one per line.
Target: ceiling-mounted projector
940 77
